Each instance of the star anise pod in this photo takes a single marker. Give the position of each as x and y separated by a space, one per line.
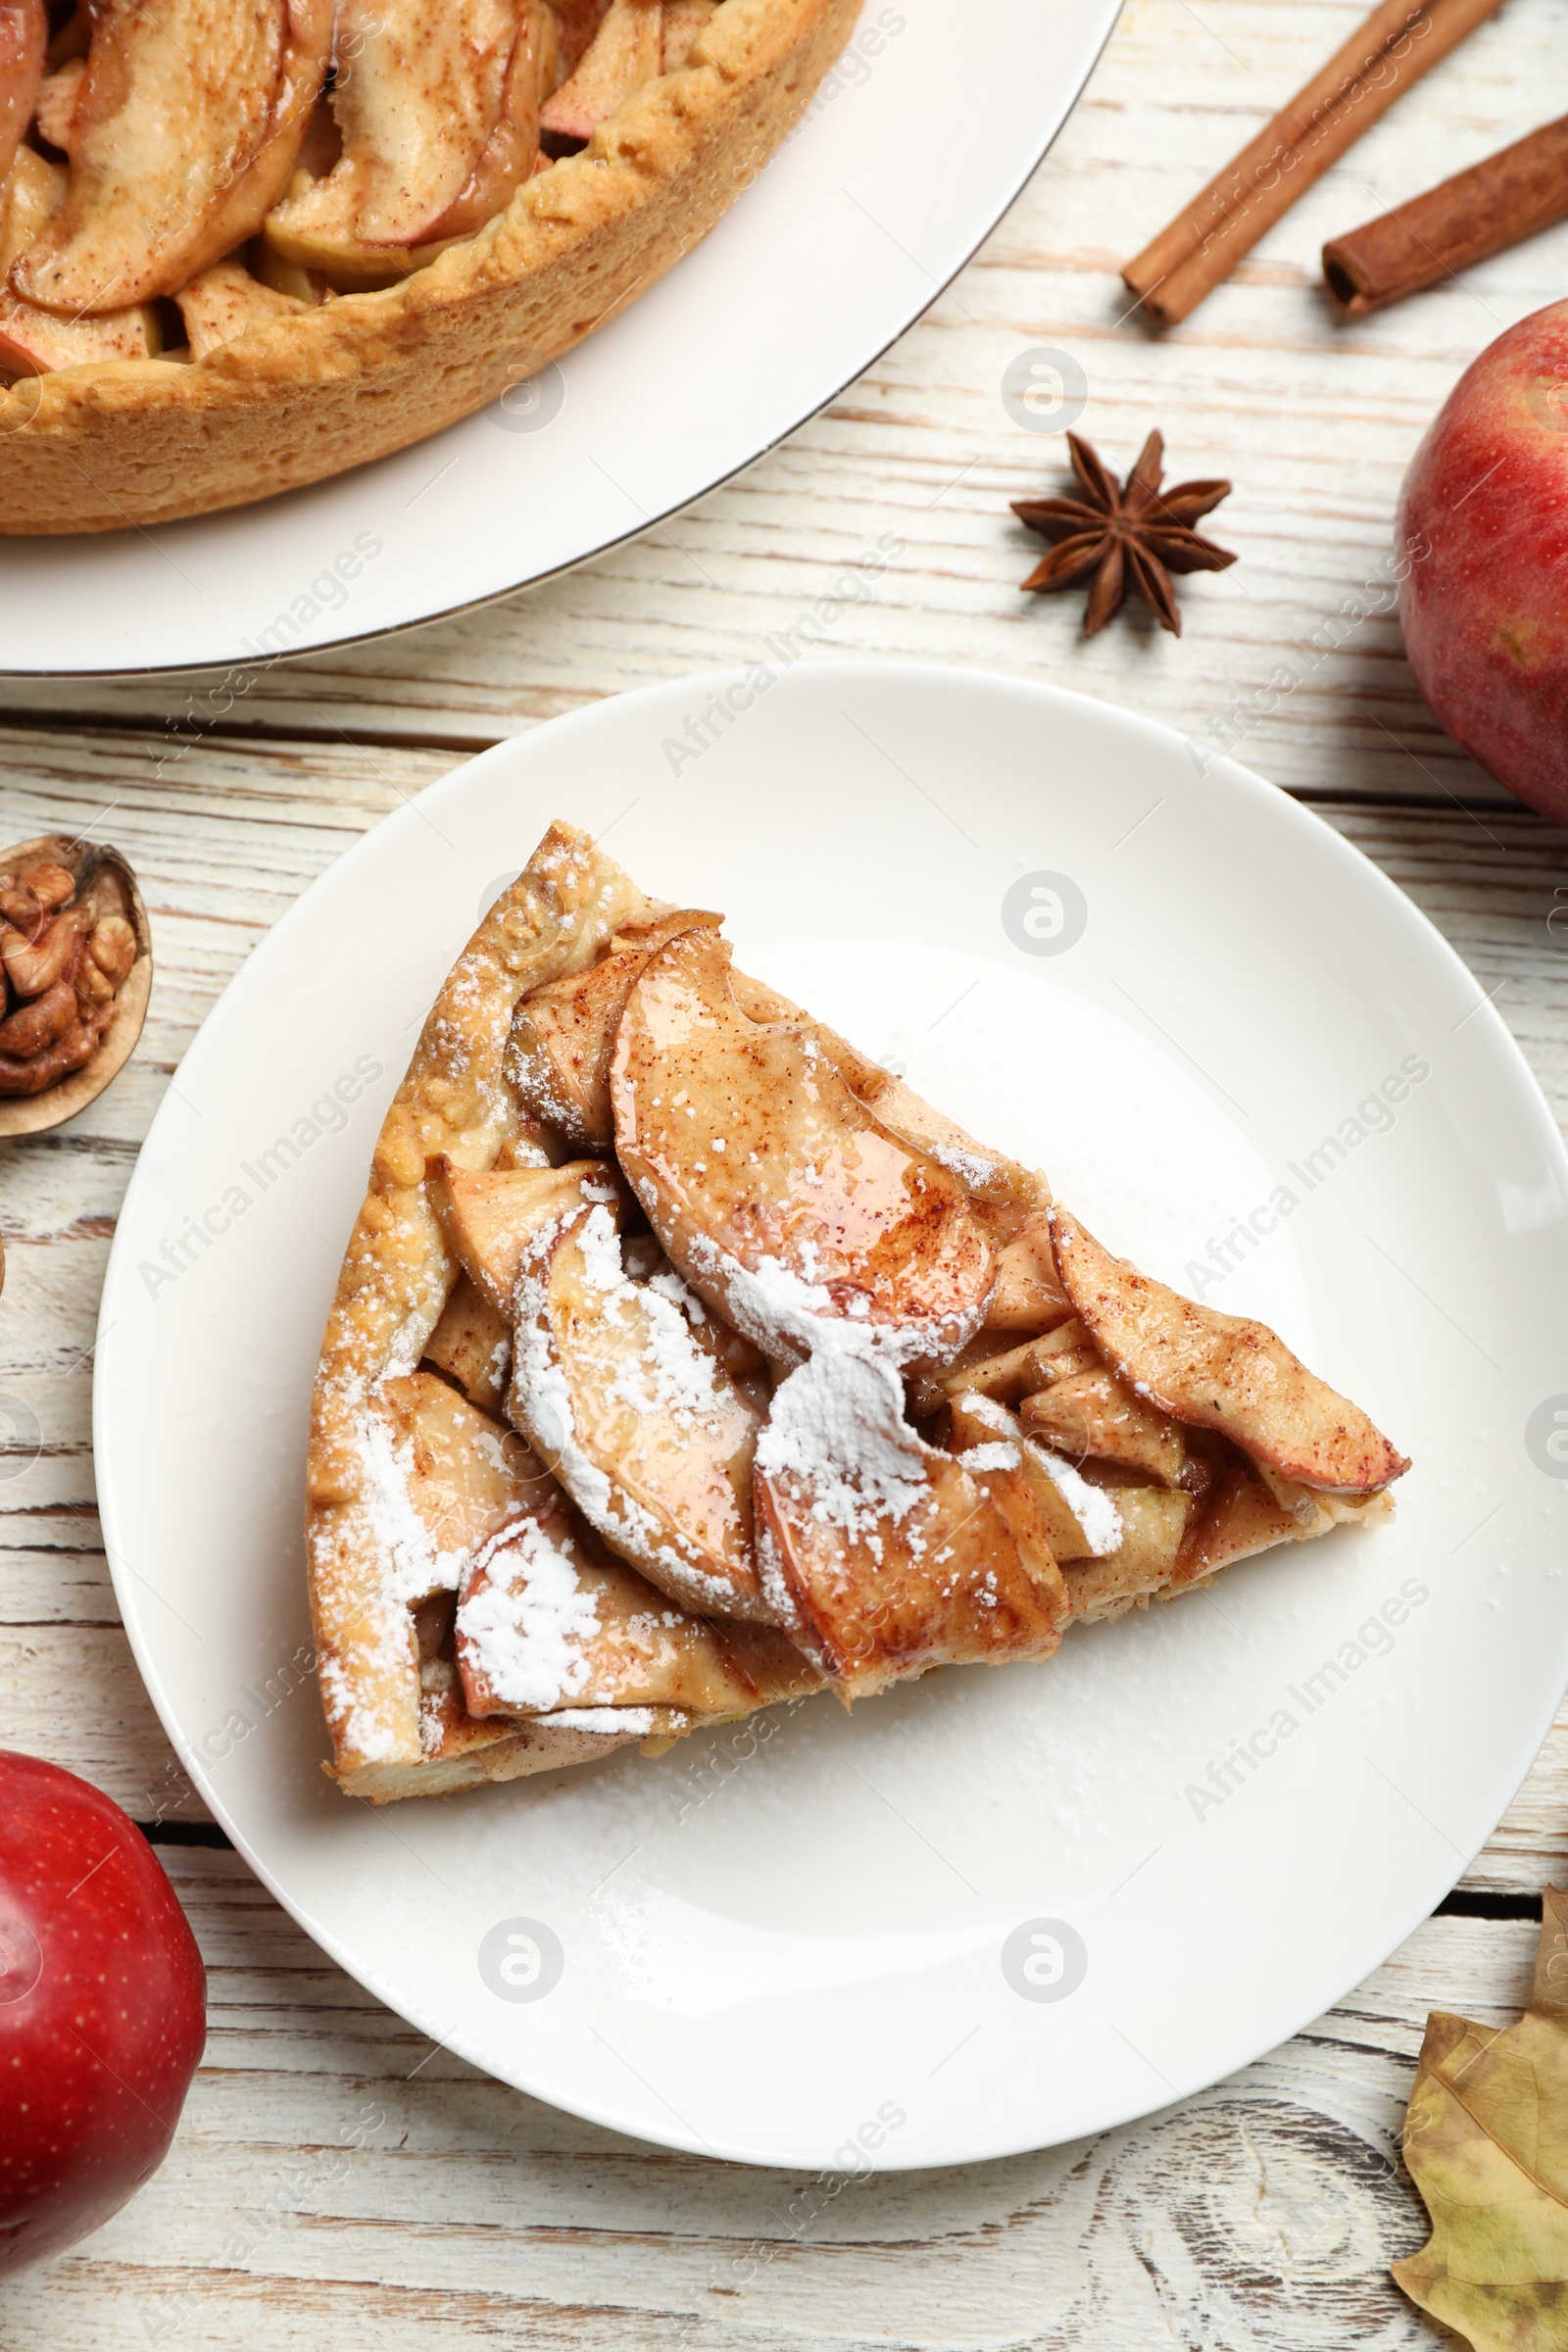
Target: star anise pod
1124 534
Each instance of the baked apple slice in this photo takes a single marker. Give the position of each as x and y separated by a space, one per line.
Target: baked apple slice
183 137
221 302
642 1426
58 93
781 1199
1221 1372
491 1222
1010 1202
1147 1559
564 1034
578 20
547 1620
472 1345
1011 1374
438 109
626 50
1093 1414
24 41
1116 1544
889 1555
444 1479
33 342
1241 1517
1081 1521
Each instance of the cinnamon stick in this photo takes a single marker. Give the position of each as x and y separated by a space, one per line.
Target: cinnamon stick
1476 214
1399 42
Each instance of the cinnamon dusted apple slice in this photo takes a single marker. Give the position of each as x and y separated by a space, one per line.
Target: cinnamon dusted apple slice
779 1197
1093 1414
642 1426
891 1556
1318 1508
548 1620
183 137
469 1518
439 114
33 342
1010 1202
24 41
493 1220
221 302
1028 1295
1117 1544
627 50
562 1034
1221 1372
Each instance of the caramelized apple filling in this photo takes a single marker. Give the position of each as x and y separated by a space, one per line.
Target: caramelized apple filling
923 1478
225 165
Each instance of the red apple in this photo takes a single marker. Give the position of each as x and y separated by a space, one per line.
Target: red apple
1484 528
103 2010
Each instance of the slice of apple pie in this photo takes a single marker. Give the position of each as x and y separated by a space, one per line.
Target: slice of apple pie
245 244
684 1362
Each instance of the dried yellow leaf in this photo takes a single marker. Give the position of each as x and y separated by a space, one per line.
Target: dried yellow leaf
1487 2142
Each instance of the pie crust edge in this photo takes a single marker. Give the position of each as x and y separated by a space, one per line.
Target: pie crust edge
97 448
396 1277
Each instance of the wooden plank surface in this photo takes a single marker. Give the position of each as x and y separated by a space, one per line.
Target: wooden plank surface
1264 2213
337 2173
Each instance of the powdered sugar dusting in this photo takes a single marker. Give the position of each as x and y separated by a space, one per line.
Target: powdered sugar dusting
974 1171
993 1457
768 1305
353 1679
1092 1506
634 1722
527 1620
671 1374
419 1566
838 1425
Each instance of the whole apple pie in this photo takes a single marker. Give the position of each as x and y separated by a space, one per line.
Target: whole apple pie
245 244
683 1363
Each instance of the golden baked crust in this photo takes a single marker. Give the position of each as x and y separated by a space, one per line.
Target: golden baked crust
96 448
389 1739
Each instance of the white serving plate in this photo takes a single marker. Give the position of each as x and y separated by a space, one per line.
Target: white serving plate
840 244
790 1943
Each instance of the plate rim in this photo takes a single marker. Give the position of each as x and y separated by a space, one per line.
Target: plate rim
1238 777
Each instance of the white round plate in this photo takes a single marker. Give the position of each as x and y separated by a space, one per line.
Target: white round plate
913 150
825 1941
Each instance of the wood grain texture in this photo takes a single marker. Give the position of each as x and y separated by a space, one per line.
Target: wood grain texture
1261 2217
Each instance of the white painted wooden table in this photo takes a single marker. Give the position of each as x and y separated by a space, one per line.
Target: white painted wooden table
335 2178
